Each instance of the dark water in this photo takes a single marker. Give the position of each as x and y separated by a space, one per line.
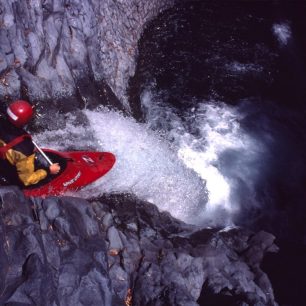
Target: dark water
247 58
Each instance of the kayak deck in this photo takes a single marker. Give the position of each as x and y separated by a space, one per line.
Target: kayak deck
78 169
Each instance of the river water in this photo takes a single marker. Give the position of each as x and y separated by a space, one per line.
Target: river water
224 83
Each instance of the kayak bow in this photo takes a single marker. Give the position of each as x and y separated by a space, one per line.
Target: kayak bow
78 169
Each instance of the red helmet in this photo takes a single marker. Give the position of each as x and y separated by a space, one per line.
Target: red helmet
20 112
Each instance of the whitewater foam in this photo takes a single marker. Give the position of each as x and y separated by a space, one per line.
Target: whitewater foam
282 31
209 140
200 166
146 164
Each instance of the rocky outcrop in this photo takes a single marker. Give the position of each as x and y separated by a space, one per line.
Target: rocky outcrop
117 250
51 254
79 49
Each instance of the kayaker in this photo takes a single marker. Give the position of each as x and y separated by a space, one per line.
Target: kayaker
18 161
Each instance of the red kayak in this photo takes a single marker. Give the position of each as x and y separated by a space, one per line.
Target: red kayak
78 169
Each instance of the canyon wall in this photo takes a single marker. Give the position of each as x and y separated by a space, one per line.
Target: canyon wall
85 50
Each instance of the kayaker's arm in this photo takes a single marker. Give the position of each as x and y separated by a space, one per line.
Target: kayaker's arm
26 171
30 176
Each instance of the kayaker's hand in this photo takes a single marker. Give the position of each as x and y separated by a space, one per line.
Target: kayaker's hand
54 168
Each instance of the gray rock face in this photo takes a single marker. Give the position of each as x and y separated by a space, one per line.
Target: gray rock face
49 47
51 254
117 250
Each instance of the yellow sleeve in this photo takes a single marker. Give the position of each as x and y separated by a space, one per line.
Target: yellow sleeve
26 170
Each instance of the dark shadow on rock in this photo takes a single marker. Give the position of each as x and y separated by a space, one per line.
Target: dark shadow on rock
208 297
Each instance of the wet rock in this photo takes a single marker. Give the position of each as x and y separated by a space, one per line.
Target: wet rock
114 239
84 50
178 264
118 250
52 252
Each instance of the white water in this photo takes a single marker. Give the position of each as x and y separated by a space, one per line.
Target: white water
209 140
283 32
203 151
146 165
